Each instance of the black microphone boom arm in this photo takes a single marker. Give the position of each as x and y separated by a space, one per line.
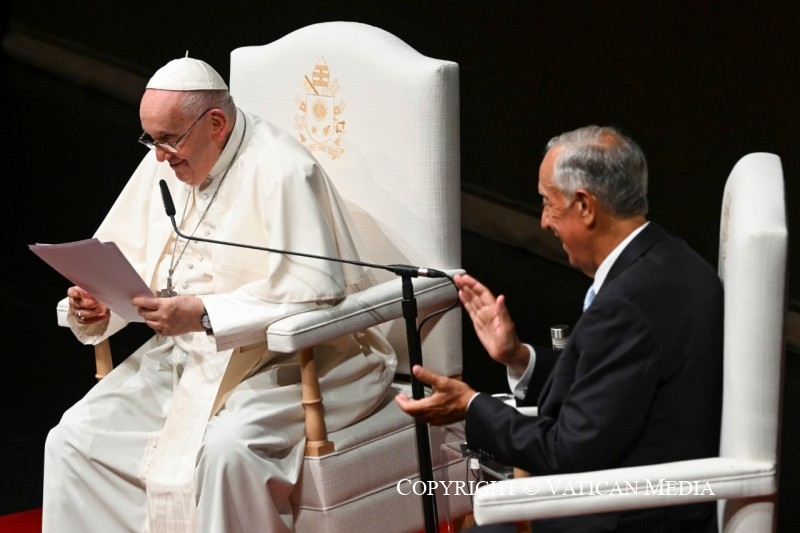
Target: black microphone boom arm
400 270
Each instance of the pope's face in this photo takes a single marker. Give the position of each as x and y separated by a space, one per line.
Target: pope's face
161 117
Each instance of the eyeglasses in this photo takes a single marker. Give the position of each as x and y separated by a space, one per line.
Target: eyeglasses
172 147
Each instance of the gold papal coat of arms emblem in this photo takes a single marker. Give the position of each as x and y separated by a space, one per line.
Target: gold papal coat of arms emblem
320 124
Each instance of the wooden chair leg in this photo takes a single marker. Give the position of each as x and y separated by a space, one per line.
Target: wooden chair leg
317 443
522 527
102 359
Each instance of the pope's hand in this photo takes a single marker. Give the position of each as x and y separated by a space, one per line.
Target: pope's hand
86 308
171 316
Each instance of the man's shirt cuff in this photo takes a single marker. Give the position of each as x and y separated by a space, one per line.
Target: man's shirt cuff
518 384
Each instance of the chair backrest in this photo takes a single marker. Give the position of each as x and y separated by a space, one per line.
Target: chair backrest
753 269
383 120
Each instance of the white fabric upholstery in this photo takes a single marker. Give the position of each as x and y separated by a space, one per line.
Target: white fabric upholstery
383 120
341 491
752 266
375 305
623 488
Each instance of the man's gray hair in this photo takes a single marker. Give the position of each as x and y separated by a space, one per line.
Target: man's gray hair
195 102
606 163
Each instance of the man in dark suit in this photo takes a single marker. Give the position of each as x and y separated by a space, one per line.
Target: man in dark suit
640 379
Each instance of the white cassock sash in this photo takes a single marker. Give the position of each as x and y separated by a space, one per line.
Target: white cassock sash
168 468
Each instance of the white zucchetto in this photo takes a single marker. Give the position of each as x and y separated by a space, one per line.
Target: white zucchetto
187 74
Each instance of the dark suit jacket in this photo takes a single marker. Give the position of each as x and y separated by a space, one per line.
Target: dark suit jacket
639 382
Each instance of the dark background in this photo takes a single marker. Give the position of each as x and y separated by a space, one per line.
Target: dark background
697 84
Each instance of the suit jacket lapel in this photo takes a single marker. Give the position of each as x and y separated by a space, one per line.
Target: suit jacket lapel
635 249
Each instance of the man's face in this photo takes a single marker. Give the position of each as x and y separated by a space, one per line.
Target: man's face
562 216
160 115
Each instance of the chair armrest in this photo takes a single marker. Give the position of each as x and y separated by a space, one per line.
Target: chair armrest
375 305
62 309
622 489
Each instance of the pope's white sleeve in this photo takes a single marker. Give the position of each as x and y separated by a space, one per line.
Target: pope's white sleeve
92 334
239 318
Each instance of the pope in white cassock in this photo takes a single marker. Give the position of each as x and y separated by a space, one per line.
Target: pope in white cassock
201 429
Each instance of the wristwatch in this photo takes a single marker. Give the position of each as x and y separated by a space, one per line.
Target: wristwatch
206 322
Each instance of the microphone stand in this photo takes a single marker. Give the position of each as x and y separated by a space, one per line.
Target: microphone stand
409 306
418 392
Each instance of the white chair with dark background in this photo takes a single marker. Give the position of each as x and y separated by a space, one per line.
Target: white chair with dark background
383 120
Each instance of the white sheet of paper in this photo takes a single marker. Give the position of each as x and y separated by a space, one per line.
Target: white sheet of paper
101 269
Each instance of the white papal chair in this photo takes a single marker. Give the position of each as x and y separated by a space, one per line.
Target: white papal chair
383 120
744 478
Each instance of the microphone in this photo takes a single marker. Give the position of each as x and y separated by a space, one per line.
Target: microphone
400 270
166 198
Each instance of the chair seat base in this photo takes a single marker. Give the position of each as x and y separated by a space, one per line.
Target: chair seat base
340 491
